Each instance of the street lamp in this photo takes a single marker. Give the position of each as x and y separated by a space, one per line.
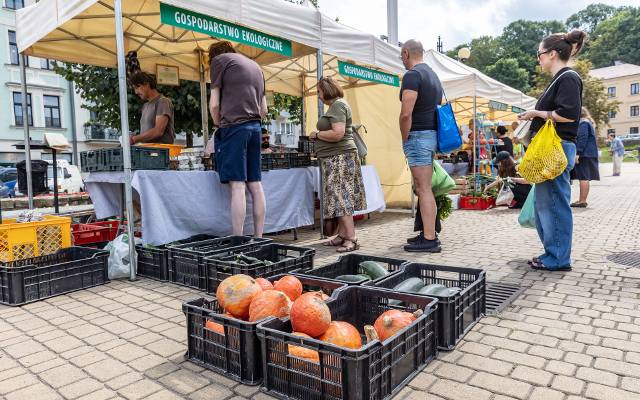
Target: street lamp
464 54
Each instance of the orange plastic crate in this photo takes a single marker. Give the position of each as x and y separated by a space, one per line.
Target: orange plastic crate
174 149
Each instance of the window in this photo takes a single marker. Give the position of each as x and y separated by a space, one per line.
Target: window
17 109
635 88
611 131
634 111
13 49
14 4
612 114
633 130
45 63
51 111
611 92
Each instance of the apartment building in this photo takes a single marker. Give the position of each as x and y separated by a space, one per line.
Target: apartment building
622 83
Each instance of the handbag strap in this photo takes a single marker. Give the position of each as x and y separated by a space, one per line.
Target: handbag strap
555 80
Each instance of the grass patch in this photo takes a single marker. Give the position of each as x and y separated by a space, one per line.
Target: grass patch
630 156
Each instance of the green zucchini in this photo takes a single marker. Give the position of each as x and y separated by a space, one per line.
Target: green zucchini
353 278
373 269
434 289
412 285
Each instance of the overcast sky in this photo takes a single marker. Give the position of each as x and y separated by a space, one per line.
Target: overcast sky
456 21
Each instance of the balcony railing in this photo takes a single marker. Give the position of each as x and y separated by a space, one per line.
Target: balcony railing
101 133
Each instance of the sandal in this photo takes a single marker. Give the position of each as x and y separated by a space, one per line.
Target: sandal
333 243
538 266
348 249
577 204
534 260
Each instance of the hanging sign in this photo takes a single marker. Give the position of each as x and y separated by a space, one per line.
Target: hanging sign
167 75
496 105
201 23
517 110
367 74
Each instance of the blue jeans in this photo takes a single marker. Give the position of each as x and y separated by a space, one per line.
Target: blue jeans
420 148
238 157
554 220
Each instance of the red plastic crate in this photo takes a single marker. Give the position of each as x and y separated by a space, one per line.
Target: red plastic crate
96 232
476 203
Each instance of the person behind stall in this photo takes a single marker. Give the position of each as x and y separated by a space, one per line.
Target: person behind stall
265 147
507 143
342 182
617 151
508 173
587 166
237 106
156 120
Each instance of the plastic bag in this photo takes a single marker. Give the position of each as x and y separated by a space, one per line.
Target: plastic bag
545 158
527 217
505 196
119 257
448 133
441 182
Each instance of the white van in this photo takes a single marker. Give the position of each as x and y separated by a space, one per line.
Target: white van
69 178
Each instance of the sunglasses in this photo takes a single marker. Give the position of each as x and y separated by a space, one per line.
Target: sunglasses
543 52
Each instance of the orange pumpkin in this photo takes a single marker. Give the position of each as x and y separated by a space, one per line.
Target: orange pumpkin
216 327
392 321
264 284
310 314
303 352
236 293
325 296
342 334
290 285
270 303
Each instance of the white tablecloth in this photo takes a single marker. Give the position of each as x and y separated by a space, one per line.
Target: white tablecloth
179 204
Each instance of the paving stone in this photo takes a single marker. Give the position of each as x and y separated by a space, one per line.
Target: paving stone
107 369
423 381
605 352
88 358
630 384
164 395
600 392
567 384
532 375
485 364
101 394
62 375
618 367
578 359
37 391
597 376
128 352
63 344
518 358
541 393
561 368
454 372
457 391
166 347
184 382
499 384
139 390
17 382
124 380
476 348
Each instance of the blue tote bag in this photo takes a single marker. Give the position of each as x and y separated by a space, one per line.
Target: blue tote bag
448 133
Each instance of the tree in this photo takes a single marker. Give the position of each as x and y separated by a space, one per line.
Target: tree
589 18
594 96
98 87
617 39
485 51
507 71
285 102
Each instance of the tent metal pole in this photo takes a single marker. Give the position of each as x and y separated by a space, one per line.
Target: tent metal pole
25 124
204 110
476 145
319 70
124 126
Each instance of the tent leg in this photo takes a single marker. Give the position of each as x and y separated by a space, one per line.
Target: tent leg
204 109
476 145
319 70
124 126
25 124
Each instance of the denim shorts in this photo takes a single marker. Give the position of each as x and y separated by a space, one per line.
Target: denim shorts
420 148
238 157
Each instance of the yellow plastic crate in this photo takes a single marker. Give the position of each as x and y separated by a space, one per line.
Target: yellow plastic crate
31 239
174 149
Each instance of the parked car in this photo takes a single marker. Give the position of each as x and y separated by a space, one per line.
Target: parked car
631 136
9 177
5 191
69 178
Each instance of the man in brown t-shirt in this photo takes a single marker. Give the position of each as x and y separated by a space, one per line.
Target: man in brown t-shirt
156 121
237 106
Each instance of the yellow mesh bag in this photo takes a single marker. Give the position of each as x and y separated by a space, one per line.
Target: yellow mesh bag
545 158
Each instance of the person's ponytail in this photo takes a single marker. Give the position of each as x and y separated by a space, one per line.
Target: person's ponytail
566 44
576 39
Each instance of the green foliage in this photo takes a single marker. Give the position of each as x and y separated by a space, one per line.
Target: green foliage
617 39
98 87
285 102
589 18
509 72
595 98
444 206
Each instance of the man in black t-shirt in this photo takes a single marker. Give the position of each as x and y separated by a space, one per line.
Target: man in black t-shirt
420 94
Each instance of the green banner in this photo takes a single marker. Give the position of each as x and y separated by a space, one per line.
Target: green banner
517 110
367 74
496 105
194 21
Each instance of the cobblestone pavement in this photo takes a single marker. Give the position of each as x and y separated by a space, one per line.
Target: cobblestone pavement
569 336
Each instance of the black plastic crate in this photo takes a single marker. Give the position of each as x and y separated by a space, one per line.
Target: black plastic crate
237 354
186 261
456 314
378 370
349 265
153 262
271 161
306 145
283 258
38 278
141 158
297 160
92 160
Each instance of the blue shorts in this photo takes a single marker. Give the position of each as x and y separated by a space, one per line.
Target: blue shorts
420 148
237 150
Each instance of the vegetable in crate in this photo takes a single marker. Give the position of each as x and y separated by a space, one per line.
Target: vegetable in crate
303 352
216 327
342 334
290 285
310 314
436 289
353 278
270 303
412 285
391 322
373 269
235 294
264 284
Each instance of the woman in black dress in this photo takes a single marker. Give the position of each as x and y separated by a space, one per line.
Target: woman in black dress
587 166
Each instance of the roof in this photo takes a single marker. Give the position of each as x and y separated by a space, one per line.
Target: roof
616 71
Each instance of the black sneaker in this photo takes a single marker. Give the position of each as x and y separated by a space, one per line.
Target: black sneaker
415 238
424 246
